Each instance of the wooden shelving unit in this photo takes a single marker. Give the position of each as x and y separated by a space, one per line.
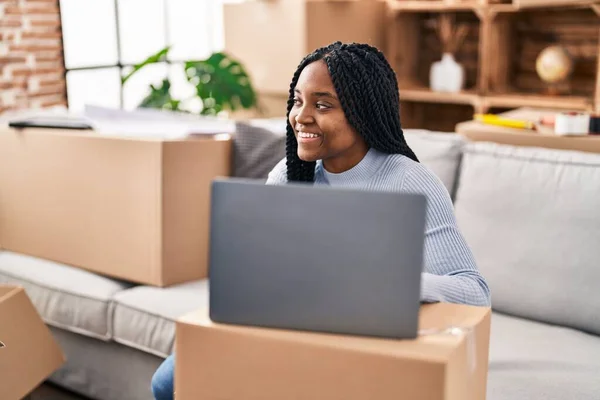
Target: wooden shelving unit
499 55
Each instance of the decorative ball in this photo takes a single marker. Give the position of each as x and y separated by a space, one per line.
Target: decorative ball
554 64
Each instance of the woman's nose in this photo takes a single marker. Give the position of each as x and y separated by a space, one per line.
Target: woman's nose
304 116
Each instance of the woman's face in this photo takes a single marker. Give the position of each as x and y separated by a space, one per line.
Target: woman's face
319 123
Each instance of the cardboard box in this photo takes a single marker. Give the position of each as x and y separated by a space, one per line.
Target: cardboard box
544 137
28 352
232 362
270 38
131 208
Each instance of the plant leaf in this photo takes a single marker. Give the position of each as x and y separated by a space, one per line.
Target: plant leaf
153 59
160 97
222 79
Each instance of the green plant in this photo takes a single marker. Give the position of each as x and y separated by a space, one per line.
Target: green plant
220 81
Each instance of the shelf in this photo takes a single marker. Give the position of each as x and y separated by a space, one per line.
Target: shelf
516 6
541 137
426 95
512 8
515 40
510 100
431 6
503 8
532 4
413 46
505 100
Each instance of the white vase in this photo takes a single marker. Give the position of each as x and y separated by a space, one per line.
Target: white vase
447 75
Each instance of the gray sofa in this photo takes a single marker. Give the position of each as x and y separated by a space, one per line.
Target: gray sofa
531 216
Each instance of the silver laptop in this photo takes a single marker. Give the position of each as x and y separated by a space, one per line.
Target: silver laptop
316 258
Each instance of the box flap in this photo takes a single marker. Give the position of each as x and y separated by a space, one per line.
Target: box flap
445 315
29 354
437 339
7 290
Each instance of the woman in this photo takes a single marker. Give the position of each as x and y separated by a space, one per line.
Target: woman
344 130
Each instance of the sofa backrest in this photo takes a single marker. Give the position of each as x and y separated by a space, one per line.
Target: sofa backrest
259 145
532 219
439 151
257 149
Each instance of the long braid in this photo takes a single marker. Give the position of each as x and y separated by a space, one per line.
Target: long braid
297 169
367 88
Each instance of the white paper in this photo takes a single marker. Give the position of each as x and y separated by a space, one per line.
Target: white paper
141 123
154 123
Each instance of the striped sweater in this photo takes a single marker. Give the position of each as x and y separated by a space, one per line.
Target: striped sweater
450 273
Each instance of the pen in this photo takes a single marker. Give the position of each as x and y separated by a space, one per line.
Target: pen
493 119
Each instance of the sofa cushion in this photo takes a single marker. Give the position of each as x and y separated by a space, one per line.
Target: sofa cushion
438 151
65 297
532 361
532 219
144 316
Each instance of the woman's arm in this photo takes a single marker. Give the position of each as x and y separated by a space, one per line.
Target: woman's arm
450 272
278 175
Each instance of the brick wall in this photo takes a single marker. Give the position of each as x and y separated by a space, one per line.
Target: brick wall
31 55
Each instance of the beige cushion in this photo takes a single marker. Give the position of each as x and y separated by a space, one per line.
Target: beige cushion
144 316
440 152
532 361
66 297
532 218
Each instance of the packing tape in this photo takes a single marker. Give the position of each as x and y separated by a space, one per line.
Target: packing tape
458 331
572 123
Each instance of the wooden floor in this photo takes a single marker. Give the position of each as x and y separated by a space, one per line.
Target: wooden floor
50 392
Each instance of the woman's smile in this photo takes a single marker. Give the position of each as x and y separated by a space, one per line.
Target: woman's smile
308 137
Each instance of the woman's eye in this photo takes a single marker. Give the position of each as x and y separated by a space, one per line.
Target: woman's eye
322 106
297 101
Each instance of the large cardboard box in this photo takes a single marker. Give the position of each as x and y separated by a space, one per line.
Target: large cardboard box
542 137
448 361
134 208
270 38
28 352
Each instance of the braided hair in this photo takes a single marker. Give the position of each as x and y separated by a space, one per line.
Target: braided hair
367 88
